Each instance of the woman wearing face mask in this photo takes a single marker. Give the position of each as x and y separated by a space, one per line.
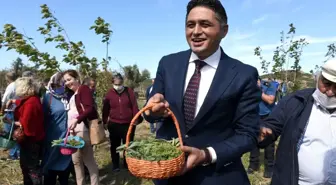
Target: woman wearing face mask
119 107
54 164
81 109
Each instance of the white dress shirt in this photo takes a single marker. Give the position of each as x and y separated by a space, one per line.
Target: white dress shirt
207 75
316 156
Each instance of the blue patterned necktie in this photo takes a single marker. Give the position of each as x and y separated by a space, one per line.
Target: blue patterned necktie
190 95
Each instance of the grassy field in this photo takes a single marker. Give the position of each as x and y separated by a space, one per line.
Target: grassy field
10 173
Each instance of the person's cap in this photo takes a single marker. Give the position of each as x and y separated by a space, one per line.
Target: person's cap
27 74
329 70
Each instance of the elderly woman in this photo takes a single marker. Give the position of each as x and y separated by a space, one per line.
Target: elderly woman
28 114
55 165
81 109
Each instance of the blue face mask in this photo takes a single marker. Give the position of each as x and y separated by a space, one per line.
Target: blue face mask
59 90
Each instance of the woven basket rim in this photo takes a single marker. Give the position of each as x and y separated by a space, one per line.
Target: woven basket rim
178 157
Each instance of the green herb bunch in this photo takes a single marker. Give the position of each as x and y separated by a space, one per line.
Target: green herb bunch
152 149
71 142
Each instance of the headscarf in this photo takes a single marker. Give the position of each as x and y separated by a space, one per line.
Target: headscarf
60 92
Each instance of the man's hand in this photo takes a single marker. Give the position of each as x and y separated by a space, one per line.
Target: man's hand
264 132
73 124
160 106
136 122
7 120
17 123
9 103
195 158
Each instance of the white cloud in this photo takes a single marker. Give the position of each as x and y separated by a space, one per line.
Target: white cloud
317 40
237 35
297 9
250 3
243 50
313 54
260 19
310 39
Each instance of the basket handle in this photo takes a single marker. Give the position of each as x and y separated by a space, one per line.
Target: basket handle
12 128
148 107
66 137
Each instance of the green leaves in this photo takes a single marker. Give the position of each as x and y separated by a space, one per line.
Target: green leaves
71 142
133 76
54 32
264 63
151 149
286 56
11 39
331 51
102 28
56 142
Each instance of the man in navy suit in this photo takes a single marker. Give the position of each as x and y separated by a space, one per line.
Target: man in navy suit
214 97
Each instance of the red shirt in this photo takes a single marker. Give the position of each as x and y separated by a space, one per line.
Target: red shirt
29 113
119 108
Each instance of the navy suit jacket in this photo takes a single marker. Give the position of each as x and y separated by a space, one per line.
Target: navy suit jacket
227 120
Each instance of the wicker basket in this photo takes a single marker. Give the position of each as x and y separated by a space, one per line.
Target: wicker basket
155 169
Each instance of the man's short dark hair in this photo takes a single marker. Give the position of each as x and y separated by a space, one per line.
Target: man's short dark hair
214 5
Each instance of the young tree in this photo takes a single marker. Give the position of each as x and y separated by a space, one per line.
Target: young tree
53 31
18 66
74 53
133 76
286 56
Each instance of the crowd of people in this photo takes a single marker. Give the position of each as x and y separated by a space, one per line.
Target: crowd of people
65 105
222 105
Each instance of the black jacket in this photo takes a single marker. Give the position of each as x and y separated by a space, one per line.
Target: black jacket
288 119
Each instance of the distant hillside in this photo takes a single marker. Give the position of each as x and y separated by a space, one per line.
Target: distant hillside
306 79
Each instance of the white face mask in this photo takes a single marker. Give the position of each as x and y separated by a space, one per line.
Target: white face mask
324 100
118 87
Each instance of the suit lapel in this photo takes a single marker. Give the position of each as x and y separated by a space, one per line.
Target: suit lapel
224 75
180 76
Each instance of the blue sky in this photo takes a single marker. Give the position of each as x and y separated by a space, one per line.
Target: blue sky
144 31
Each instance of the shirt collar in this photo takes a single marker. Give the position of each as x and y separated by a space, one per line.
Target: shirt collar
320 107
212 60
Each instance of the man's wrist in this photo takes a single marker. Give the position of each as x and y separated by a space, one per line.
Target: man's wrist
207 157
